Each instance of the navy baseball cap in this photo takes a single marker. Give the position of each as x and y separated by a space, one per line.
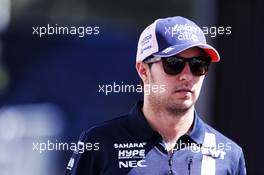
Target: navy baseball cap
169 36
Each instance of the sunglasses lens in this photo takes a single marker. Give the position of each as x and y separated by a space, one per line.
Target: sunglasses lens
173 65
199 66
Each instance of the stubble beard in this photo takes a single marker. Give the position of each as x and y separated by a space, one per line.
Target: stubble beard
160 103
177 110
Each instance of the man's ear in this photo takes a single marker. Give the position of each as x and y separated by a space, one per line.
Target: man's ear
142 70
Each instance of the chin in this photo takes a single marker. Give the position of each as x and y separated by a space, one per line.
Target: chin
185 103
177 109
184 106
181 106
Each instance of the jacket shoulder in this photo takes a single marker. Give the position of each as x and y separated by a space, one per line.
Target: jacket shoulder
106 129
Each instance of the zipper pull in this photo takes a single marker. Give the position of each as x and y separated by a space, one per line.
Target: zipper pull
190 161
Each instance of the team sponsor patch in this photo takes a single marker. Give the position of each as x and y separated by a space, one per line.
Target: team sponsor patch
131 155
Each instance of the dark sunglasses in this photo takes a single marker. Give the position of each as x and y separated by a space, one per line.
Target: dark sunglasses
175 64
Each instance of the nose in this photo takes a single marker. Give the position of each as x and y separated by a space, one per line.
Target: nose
186 73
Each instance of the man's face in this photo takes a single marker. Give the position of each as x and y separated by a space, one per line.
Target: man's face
181 90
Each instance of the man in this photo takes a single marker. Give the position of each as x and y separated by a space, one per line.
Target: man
164 134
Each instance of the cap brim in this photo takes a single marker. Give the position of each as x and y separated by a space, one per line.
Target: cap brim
173 50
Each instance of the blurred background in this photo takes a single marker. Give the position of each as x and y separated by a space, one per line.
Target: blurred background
49 85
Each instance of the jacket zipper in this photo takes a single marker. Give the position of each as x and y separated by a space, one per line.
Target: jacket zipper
170 163
190 164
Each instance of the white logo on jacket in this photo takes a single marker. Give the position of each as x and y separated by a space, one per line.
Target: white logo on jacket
131 155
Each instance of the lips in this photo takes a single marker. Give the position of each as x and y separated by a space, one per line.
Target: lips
184 93
184 90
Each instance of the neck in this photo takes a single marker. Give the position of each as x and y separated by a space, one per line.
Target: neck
170 125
